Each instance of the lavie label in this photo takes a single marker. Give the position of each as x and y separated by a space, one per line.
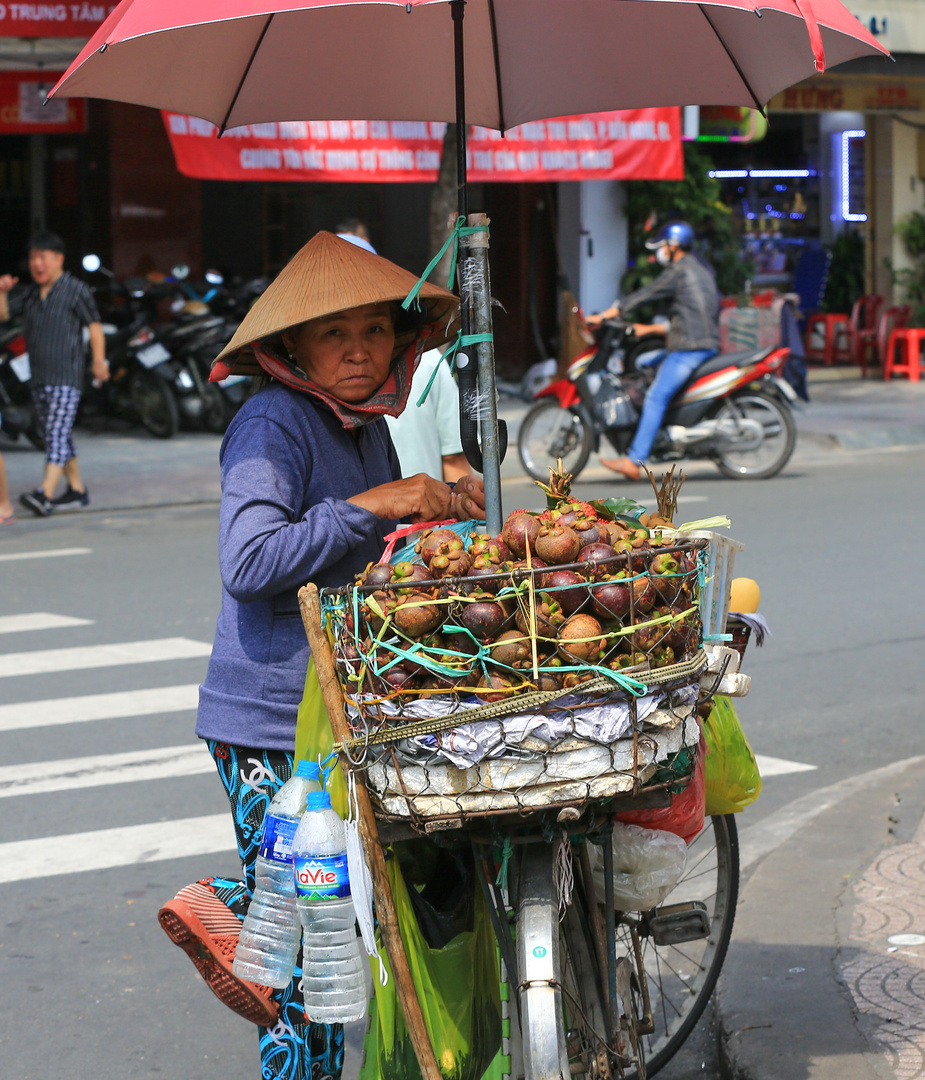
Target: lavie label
321 877
277 838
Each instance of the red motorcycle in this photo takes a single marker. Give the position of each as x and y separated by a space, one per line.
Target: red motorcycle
735 410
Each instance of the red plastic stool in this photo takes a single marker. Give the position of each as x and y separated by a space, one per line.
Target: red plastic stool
837 340
909 340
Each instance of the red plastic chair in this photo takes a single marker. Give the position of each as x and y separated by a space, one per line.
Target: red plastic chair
862 328
836 337
904 353
894 318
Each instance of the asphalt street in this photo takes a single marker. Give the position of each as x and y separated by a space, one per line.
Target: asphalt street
110 806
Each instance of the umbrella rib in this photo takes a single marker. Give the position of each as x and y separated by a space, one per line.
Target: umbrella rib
494 47
234 100
733 60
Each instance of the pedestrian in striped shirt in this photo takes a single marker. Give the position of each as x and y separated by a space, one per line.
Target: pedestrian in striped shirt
55 308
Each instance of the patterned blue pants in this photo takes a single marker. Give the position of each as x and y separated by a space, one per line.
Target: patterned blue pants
294 1049
56 407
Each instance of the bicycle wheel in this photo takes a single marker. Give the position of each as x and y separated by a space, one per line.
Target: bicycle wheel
560 986
684 941
549 432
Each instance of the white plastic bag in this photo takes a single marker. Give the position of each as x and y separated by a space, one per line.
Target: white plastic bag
647 864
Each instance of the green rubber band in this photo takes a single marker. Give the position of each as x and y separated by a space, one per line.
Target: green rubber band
450 356
459 229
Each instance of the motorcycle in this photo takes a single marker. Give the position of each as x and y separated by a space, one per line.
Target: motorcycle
138 389
735 410
17 413
205 317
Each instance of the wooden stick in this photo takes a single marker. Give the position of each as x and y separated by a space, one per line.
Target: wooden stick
310 607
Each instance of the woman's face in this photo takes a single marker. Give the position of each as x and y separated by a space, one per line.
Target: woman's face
348 354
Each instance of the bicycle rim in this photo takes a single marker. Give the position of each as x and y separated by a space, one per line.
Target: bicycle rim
681 978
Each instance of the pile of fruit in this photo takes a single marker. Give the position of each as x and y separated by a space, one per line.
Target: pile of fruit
561 597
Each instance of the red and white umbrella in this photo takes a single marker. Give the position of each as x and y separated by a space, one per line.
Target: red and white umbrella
239 62
498 63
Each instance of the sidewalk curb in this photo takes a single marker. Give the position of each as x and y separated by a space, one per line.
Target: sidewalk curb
784 1011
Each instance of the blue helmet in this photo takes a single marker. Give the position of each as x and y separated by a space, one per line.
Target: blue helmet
675 232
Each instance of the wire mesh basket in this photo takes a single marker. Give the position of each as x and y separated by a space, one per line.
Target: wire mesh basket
530 688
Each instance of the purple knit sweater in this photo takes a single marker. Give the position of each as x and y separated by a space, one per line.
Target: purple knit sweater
288 467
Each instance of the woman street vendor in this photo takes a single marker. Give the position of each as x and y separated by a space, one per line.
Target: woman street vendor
311 485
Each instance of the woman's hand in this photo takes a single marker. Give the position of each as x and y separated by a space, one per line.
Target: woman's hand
422 498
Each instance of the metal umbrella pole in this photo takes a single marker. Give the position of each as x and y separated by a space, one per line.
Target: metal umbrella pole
475 359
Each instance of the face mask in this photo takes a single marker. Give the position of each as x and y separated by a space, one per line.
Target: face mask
663 255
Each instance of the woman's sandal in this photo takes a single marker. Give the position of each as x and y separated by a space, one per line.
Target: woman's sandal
207 931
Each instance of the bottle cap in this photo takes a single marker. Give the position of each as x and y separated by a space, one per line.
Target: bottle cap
309 769
318 800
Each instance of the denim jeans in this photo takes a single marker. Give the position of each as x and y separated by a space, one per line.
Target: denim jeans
674 370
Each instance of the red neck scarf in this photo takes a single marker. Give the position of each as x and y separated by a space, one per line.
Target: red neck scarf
389 400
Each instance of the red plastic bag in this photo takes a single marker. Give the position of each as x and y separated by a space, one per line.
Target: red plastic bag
685 816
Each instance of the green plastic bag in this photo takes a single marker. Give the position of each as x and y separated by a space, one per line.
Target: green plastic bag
732 777
314 738
460 997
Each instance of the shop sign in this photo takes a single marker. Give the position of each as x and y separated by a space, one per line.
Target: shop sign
859 93
52 20
639 144
22 111
896 24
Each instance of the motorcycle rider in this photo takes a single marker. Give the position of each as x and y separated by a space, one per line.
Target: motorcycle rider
693 337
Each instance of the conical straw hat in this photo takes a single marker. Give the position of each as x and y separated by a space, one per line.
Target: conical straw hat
328 275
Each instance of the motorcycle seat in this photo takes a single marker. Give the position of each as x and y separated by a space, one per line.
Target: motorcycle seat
722 361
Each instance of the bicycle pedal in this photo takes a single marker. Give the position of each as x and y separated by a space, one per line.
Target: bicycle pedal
678 923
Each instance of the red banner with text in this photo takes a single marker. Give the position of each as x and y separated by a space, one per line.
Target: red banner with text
637 144
79 20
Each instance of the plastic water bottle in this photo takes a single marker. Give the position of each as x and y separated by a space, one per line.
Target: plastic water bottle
268 946
333 982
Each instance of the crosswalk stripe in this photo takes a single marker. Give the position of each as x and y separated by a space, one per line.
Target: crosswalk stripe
77 710
38 620
44 661
103 849
775 766
49 553
162 763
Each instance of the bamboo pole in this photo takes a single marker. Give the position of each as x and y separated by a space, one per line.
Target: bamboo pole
310 607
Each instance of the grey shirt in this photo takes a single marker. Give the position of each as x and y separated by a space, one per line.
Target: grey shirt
52 329
694 303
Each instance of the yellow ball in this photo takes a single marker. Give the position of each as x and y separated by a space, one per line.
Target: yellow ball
746 596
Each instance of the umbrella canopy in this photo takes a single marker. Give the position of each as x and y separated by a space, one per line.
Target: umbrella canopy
237 62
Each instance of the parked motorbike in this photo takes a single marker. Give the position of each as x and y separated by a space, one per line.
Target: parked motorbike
735 410
204 318
138 389
17 413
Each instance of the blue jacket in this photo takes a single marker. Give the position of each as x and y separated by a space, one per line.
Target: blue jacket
287 468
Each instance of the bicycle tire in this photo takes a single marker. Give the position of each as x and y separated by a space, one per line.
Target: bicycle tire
549 432
561 987
681 984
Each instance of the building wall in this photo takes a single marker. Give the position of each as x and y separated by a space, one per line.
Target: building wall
155 212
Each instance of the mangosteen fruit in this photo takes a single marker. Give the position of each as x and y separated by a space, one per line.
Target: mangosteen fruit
562 586
580 640
558 544
596 554
611 598
417 615
511 648
520 532
483 618
501 686
437 541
